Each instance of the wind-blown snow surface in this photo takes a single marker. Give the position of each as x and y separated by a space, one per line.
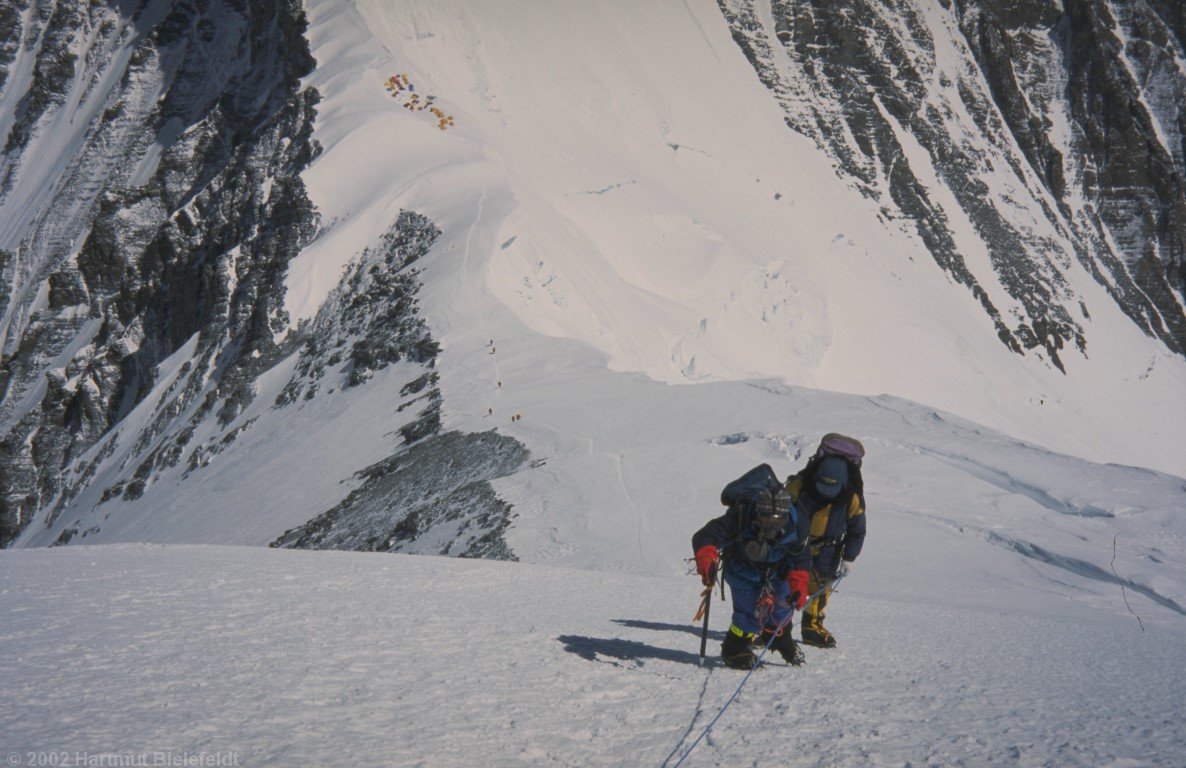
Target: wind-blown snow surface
284 658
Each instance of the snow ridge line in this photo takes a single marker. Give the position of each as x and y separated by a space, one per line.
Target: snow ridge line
1010 484
465 267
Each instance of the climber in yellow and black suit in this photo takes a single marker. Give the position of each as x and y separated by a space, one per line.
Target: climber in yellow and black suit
836 509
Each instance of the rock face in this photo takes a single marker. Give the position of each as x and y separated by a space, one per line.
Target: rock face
371 319
441 497
150 202
435 497
1054 130
1112 73
177 134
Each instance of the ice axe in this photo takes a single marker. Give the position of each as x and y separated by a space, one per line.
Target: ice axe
705 605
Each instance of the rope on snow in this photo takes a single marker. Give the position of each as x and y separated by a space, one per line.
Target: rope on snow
1120 581
786 624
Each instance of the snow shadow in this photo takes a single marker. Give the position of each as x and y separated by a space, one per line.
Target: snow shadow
1080 568
1010 484
605 648
664 627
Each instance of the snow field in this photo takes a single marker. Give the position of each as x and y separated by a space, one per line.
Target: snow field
326 658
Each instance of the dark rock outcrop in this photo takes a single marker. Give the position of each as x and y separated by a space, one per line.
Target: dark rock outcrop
435 499
1117 82
371 319
173 220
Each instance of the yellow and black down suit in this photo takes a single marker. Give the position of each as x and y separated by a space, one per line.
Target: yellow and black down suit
837 530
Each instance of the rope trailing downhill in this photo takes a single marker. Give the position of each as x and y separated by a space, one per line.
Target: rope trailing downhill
784 626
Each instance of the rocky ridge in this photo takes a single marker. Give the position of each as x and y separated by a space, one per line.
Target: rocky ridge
153 263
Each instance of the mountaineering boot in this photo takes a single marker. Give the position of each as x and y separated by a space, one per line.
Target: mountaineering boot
818 636
786 647
735 649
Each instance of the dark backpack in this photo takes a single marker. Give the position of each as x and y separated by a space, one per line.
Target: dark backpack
746 488
746 492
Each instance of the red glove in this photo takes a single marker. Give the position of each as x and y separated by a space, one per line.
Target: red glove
797 581
706 563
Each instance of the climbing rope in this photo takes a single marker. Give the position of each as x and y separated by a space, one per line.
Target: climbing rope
786 624
1120 581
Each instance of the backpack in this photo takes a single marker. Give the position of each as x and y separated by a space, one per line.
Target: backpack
746 488
744 494
844 447
847 448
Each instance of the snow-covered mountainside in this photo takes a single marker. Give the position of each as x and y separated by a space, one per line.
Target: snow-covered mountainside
415 276
531 281
1030 134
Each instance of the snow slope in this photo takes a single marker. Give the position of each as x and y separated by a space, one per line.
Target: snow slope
668 286
617 175
324 658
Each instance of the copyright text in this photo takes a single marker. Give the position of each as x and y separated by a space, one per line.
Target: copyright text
78 759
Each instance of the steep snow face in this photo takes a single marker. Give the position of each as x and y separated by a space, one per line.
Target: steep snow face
626 180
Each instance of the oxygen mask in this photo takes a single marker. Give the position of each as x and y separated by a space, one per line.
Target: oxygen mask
772 514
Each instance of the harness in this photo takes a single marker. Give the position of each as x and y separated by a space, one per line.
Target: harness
829 541
816 544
